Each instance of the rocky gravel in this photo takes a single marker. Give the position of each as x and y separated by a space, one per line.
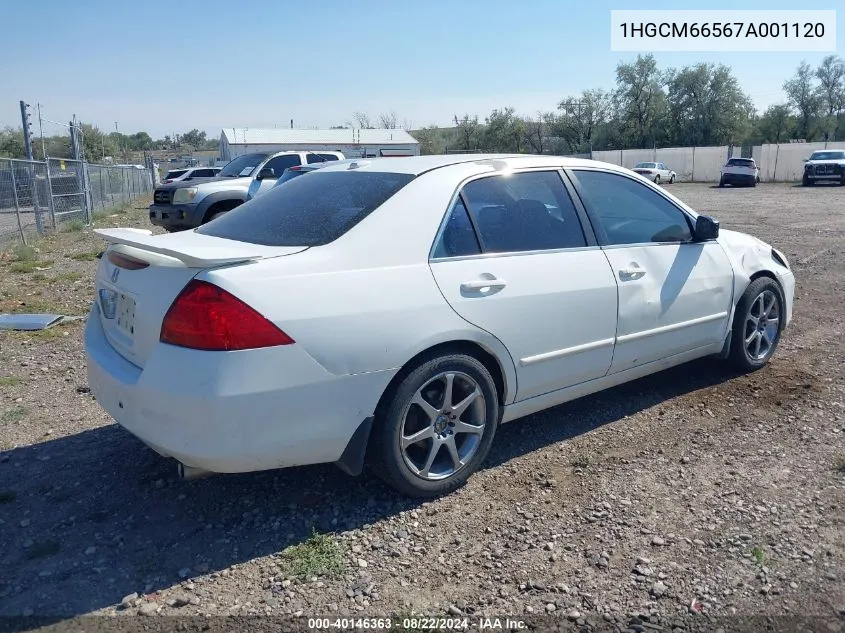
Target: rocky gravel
692 496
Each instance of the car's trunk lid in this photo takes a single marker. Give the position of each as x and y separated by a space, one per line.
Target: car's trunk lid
133 297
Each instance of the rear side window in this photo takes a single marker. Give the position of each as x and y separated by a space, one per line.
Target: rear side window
308 211
175 174
458 238
281 163
528 211
320 158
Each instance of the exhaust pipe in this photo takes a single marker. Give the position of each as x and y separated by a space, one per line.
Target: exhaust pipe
187 473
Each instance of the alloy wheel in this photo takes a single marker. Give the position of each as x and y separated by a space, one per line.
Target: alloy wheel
762 325
443 425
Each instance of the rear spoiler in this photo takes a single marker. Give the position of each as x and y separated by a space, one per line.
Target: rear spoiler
192 249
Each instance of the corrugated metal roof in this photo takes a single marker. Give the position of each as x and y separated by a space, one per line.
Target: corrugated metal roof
260 136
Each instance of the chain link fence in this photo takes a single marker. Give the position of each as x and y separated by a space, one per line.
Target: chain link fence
37 197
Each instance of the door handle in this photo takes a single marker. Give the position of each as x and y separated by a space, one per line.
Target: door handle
480 284
631 273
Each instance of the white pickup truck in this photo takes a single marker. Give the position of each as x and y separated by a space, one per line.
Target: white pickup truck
740 171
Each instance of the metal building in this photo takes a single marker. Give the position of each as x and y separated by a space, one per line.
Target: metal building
354 143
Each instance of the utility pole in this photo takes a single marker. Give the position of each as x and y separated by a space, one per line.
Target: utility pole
26 122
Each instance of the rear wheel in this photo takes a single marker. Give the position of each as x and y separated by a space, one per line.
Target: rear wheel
672 179
437 426
758 322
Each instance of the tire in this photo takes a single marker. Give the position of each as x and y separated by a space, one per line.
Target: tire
216 215
721 182
805 181
402 415
672 179
752 342
657 179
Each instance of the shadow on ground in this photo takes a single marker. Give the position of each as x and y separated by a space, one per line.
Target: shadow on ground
90 518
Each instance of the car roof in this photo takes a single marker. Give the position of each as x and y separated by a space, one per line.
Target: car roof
416 165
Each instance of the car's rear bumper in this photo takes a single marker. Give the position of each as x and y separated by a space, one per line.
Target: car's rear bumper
232 411
739 179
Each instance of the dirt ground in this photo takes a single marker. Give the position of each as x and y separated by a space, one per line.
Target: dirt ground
690 494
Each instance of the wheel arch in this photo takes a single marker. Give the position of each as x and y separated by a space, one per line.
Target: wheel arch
504 389
355 455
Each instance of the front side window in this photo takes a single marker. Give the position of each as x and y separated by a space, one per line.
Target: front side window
526 211
242 165
630 212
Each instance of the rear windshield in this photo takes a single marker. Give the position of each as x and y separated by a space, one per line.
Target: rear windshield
646 166
308 211
741 162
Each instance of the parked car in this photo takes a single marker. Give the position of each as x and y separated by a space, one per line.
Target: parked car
826 165
184 205
656 172
190 173
740 171
375 310
289 174
267 177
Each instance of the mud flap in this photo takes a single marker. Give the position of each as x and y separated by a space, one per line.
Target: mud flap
352 460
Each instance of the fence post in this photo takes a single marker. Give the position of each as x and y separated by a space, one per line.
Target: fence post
17 206
36 207
86 193
692 175
50 193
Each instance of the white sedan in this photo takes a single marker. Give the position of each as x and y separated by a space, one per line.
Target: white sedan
656 172
395 312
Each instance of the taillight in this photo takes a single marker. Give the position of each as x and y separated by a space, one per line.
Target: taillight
206 317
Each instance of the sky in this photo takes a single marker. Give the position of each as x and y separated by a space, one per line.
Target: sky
167 66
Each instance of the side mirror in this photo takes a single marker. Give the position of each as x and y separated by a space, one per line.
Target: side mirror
706 228
267 172
804 160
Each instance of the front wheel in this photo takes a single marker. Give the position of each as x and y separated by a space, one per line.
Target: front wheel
437 426
805 181
721 182
657 179
758 323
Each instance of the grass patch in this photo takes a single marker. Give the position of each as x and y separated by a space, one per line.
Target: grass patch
320 555
758 554
581 461
13 415
24 253
10 381
23 267
38 277
839 464
87 256
43 549
7 496
41 336
70 276
74 226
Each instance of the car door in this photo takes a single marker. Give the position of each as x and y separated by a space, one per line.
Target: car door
513 258
664 173
278 164
675 294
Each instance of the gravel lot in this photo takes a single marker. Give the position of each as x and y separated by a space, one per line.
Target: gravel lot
690 494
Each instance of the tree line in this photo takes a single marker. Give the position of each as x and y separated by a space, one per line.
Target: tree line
97 145
702 104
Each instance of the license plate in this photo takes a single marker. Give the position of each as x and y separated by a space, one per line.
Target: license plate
125 317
